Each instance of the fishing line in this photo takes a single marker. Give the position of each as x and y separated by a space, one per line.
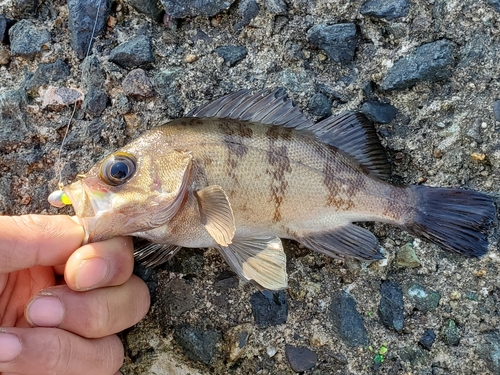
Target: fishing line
58 165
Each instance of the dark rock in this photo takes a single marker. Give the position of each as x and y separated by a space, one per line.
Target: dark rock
12 118
46 73
413 354
277 7
347 322
178 297
95 102
133 53
226 280
269 308
380 112
151 8
496 109
197 344
430 62
92 73
5 25
391 307
451 335
320 105
427 339
137 84
423 298
232 54
193 8
489 350
82 17
187 261
300 358
25 7
338 41
248 10
388 9
26 40
495 4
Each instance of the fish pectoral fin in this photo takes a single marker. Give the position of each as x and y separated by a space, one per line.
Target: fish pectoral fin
154 254
345 241
216 214
260 259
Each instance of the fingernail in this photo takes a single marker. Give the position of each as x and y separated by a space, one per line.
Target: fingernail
91 273
45 311
10 347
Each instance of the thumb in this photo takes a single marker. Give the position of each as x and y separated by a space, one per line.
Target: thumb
37 240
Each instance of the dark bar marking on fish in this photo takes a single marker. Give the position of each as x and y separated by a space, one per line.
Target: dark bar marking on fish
277 156
234 134
340 195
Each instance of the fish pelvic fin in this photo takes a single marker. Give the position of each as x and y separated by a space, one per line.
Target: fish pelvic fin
261 259
216 214
154 254
345 241
454 219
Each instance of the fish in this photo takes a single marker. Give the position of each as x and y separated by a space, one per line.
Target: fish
248 169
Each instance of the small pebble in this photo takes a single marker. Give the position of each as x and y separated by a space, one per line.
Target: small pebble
479 156
133 53
338 41
496 109
191 58
388 9
193 8
300 358
406 257
26 40
198 344
138 84
347 322
269 308
232 54
427 339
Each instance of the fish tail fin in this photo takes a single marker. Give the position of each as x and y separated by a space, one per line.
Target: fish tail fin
457 220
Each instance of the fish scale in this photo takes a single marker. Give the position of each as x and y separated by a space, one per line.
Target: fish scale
248 169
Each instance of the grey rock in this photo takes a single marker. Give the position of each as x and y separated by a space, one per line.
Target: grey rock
248 10
95 102
277 7
232 54
388 9
137 84
423 298
406 257
300 358
338 41
427 339
12 118
496 109
151 8
178 298
133 53
489 350
346 320
451 335
46 73
430 62
495 4
380 112
25 7
92 73
391 307
83 15
26 40
197 344
413 354
320 105
193 8
226 280
269 308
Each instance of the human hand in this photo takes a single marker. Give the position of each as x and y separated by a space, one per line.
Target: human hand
54 326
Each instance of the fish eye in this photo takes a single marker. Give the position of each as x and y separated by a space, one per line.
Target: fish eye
117 168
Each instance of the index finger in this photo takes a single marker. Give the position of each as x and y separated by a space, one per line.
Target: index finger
37 240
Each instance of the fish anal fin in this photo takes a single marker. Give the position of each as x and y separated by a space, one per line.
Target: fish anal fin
346 241
261 259
216 214
355 135
154 254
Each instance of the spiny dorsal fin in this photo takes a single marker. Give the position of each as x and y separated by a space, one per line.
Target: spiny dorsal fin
267 108
354 134
261 259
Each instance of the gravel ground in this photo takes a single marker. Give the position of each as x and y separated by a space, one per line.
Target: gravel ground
426 71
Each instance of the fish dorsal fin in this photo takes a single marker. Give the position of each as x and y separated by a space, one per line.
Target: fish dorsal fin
216 214
260 259
272 108
355 135
154 254
347 240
